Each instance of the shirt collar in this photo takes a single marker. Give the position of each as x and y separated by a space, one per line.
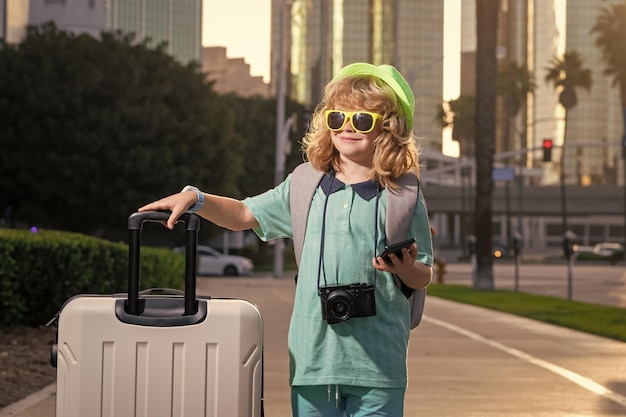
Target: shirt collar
366 189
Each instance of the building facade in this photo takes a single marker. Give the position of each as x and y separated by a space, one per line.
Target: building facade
13 20
533 33
231 75
176 22
594 125
319 37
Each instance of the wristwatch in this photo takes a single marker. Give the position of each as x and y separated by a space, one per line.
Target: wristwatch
200 198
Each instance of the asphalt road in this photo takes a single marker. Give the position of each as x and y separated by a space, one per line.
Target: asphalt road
463 360
467 361
597 283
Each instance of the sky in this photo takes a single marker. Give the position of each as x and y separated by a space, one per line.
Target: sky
243 27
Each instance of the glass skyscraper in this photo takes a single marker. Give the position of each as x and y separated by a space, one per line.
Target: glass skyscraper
594 125
538 32
319 37
177 22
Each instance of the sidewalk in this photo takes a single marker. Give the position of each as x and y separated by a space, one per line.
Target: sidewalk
463 361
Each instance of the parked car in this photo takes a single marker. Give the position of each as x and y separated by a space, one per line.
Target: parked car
213 262
604 251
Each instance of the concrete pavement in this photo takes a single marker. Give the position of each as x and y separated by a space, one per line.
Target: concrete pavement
463 361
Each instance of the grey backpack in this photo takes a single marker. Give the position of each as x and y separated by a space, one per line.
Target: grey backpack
400 207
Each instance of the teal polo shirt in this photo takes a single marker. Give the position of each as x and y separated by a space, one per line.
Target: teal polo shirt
362 351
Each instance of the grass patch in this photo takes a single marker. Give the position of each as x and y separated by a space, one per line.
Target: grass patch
596 319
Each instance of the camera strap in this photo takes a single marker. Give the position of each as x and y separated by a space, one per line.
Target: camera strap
320 266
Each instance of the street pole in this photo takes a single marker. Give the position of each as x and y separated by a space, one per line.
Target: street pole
569 238
624 172
517 250
520 184
507 210
463 213
570 267
473 259
279 161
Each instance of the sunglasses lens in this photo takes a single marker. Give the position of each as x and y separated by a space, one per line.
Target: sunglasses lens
335 120
362 121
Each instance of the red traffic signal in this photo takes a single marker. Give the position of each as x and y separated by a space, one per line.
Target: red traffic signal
547 150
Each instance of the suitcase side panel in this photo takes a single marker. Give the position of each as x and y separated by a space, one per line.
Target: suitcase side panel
110 368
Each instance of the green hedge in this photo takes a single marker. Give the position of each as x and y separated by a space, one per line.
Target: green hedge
40 271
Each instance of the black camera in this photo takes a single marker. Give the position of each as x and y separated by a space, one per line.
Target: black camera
341 303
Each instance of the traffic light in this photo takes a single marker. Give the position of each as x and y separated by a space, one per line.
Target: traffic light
547 150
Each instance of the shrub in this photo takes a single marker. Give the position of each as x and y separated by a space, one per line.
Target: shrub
40 271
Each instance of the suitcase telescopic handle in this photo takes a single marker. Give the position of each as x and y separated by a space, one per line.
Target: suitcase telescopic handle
135 225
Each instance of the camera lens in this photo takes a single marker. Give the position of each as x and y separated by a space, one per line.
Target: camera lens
339 305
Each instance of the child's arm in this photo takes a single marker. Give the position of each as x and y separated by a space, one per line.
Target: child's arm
223 211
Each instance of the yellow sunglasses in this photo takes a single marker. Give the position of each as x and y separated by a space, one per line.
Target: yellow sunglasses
362 121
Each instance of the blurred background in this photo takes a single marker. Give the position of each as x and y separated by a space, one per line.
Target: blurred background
108 104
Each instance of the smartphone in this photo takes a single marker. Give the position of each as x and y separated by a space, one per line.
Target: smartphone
396 249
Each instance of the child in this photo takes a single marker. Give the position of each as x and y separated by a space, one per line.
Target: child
343 362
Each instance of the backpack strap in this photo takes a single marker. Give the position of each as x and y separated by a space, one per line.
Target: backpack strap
401 203
304 182
305 179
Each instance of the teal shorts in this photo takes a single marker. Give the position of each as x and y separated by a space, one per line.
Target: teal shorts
346 401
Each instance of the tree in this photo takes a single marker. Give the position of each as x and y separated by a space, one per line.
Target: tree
610 28
513 83
461 115
567 74
256 123
94 128
486 68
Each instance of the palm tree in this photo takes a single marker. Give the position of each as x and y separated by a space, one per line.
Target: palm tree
513 83
461 115
486 69
610 28
567 74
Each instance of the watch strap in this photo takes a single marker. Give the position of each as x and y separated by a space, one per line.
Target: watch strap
199 195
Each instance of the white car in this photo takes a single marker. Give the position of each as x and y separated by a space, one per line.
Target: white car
607 248
212 262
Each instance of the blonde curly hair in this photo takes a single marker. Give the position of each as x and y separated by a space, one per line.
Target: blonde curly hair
396 148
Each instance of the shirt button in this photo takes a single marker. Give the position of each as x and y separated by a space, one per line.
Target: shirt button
345 205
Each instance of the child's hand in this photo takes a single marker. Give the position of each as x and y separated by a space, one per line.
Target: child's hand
398 266
176 203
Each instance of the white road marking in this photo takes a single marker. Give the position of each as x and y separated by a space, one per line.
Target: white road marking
574 377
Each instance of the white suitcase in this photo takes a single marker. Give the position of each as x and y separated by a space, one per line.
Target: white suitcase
159 355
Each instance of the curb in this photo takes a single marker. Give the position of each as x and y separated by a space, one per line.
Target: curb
29 401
